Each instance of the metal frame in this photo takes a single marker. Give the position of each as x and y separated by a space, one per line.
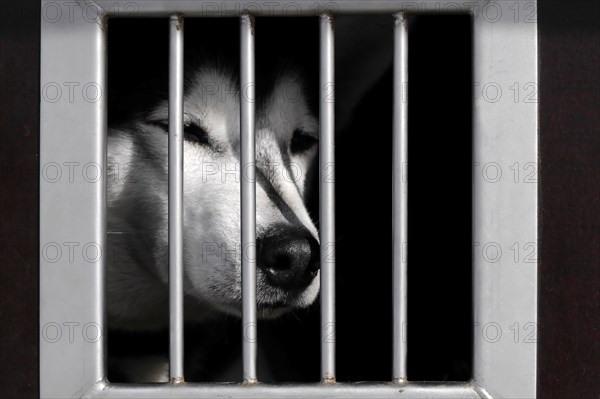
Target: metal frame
73 216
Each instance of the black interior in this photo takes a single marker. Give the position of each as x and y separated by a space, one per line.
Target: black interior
439 290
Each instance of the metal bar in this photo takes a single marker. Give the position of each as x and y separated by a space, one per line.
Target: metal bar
400 192
72 288
146 8
505 213
248 205
101 204
305 391
176 199
327 199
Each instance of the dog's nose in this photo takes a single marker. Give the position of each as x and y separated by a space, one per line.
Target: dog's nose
289 259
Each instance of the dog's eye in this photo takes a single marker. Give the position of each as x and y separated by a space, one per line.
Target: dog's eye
302 142
196 134
191 132
161 124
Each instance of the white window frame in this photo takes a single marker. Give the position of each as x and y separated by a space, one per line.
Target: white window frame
73 211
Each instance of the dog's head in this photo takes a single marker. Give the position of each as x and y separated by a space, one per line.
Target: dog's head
287 240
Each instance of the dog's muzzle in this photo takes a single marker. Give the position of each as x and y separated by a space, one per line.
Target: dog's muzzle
289 258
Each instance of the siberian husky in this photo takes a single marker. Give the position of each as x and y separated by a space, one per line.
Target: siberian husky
287 136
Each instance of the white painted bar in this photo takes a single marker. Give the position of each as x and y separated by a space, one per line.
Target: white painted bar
72 215
505 164
327 199
400 192
248 182
283 8
176 200
373 390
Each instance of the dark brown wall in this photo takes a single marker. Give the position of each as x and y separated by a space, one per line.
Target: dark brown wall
569 286
19 143
569 270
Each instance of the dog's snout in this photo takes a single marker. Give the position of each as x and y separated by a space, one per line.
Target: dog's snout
289 259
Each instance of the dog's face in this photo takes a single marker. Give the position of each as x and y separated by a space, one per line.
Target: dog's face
287 240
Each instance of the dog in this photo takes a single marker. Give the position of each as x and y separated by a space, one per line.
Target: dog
287 239
287 136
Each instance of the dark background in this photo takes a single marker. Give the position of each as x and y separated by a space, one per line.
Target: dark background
569 204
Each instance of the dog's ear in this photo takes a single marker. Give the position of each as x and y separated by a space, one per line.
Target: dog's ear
363 53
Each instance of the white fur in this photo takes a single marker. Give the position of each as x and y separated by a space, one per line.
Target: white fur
137 197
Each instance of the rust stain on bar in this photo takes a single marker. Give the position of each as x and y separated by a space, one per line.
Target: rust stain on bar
251 21
400 20
330 20
250 383
179 25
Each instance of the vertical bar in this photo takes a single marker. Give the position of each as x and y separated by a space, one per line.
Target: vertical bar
327 199
400 191
82 364
248 205
176 199
101 205
505 213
